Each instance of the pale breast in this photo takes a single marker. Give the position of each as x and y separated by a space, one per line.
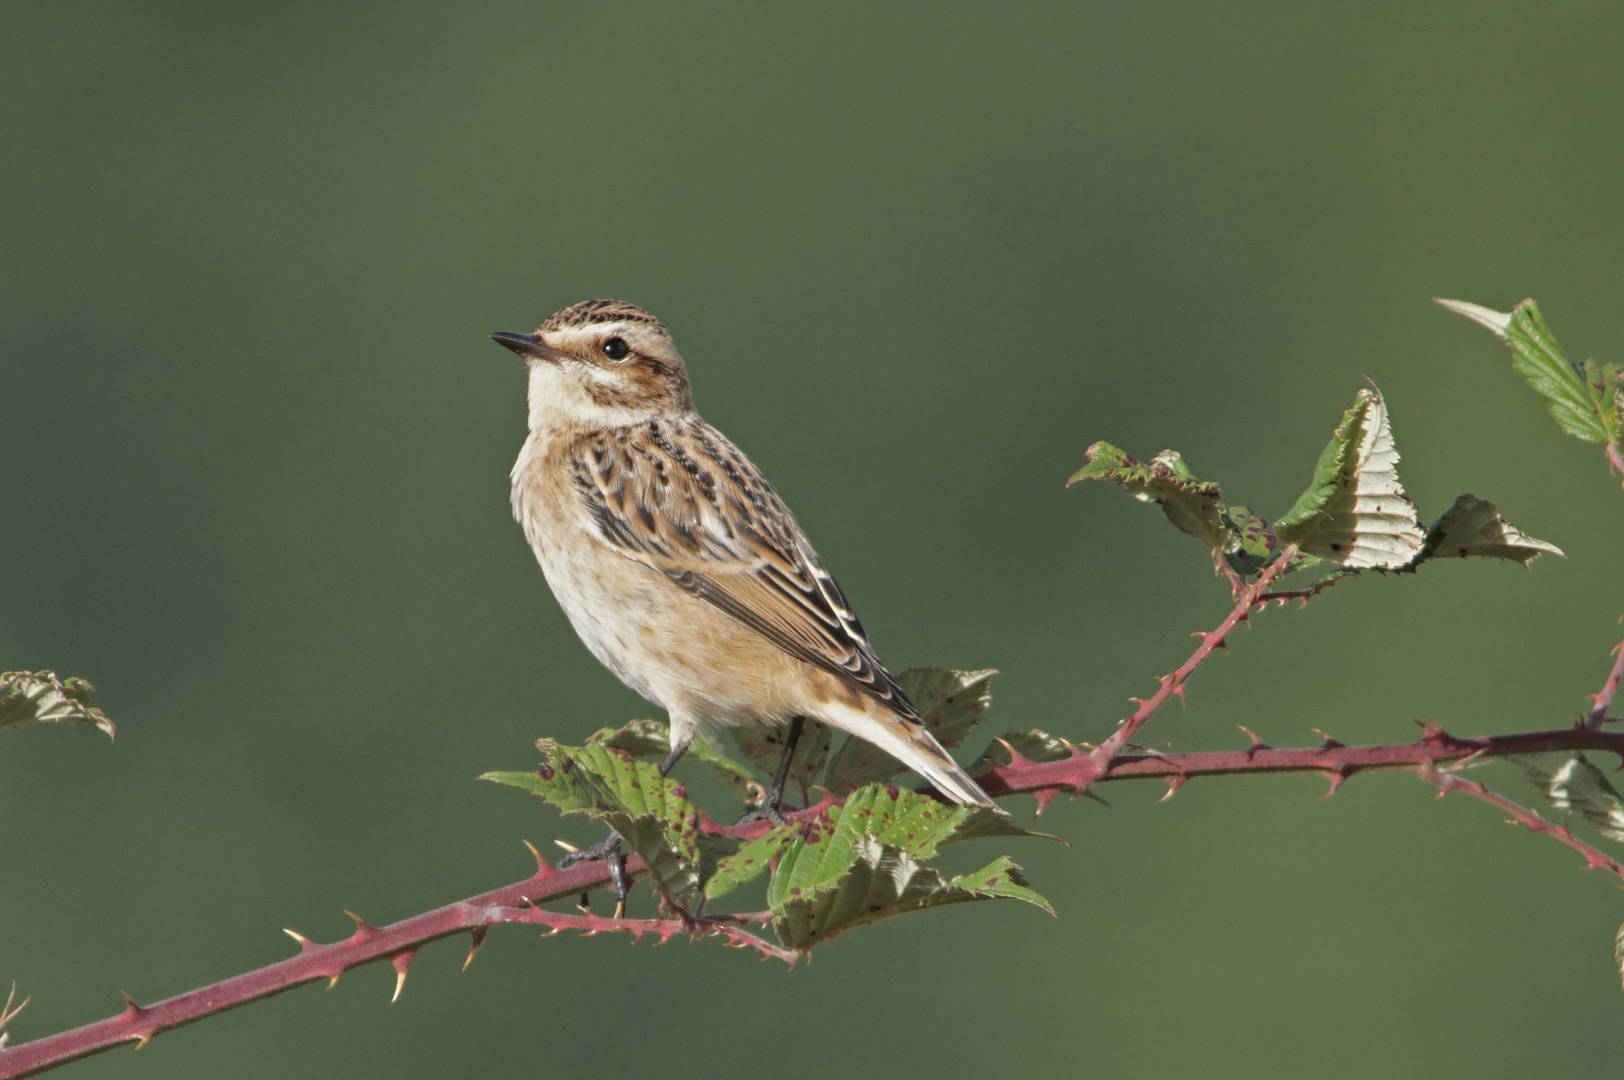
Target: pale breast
673 648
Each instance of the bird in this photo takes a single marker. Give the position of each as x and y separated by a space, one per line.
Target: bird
677 563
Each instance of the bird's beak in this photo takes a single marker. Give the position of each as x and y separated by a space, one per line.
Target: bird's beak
529 346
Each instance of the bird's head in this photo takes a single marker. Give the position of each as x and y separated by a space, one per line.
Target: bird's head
601 363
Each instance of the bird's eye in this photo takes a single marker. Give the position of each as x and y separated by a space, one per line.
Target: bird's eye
616 348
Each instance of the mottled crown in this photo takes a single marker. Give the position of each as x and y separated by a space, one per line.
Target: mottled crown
588 312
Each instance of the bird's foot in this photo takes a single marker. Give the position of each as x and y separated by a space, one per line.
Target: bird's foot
607 849
771 808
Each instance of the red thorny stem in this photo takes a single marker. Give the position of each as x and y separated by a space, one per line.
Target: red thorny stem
1446 781
517 903
514 903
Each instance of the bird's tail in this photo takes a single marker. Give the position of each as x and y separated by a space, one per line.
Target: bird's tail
911 743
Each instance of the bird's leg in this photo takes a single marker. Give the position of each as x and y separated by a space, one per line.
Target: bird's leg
773 798
671 759
609 847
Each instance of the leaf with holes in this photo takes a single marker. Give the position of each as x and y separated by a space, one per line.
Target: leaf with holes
40 697
1473 528
1355 513
1586 400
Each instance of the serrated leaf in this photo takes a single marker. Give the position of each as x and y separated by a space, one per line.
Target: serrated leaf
1191 505
1250 542
749 862
951 702
883 883
652 739
1575 786
1584 399
41 697
820 854
1473 528
651 814
1355 513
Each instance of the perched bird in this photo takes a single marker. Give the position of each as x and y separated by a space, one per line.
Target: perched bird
676 561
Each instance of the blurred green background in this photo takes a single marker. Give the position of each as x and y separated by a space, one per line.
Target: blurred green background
255 449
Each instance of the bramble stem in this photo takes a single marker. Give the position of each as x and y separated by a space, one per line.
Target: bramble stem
1447 781
509 904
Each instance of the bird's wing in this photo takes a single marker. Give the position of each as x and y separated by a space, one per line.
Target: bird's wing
678 497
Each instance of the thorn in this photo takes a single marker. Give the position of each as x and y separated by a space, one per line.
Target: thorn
1016 758
1173 784
1179 690
142 1040
1330 743
362 927
1337 779
305 944
585 904
332 980
402 962
565 844
130 1007
478 939
1044 796
1257 743
1090 794
620 908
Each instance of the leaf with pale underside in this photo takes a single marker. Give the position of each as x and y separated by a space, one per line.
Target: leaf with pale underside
41 697
1586 399
1473 528
1355 513
1573 785
951 703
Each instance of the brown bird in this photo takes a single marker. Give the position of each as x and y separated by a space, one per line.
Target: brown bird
678 564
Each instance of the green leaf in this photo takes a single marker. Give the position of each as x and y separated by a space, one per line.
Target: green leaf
1584 399
951 702
1574 786
883 883
652 739
40 697
639 738
817 856
1251 545
1190 504
749 862
1473 528
651 814
1355 513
